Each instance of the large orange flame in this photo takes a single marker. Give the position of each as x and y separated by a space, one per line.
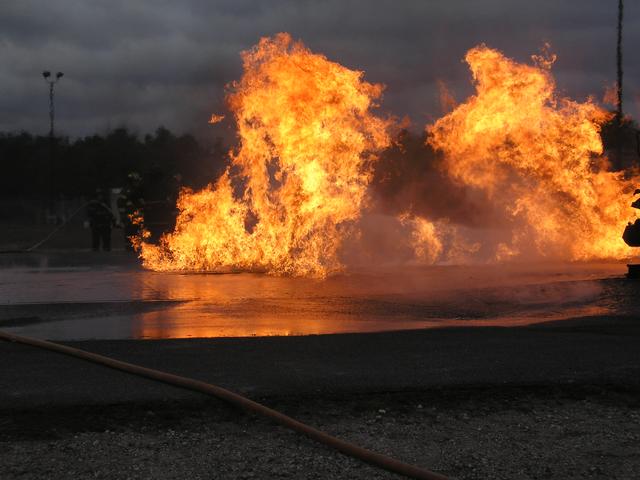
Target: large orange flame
298 180
539 158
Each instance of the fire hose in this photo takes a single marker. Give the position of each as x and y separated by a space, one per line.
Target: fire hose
55 230
59 227
52 232
376 459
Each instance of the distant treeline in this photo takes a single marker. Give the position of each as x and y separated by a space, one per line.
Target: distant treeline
80 166
103 161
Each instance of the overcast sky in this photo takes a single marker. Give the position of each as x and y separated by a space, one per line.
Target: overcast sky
144 63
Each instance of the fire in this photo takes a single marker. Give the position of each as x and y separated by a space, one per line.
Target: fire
297 182
298 179
425 239
215 118
539 158
438 242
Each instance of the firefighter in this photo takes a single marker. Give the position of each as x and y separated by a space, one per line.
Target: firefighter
130 202
101 219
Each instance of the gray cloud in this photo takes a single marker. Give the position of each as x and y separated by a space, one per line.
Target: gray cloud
145 63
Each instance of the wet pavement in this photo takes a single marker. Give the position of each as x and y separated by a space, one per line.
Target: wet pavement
549 391
84 295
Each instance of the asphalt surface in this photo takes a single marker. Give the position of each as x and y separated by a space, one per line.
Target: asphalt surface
559 400
554 400
593 351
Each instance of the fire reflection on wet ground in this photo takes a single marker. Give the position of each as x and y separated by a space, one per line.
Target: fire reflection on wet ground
89 300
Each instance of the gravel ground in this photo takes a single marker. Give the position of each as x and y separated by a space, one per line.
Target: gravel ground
468 433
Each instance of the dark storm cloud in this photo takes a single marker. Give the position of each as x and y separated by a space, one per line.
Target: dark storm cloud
145 63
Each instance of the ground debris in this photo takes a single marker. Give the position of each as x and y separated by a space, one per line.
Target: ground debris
499 433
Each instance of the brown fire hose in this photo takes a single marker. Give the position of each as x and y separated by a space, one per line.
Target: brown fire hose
375 459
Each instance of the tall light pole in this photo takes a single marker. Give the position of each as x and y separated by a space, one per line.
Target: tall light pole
619 118
619 60
51 81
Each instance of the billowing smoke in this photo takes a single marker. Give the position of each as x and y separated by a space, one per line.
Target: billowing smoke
515 172
411 178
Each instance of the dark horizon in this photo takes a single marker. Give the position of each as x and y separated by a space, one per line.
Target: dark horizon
142 64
